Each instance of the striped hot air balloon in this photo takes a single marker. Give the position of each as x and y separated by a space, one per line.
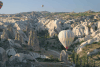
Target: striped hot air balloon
1 4
66 37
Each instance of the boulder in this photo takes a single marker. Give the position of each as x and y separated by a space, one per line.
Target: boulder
21 57
3 57
18 56
10 52
63 56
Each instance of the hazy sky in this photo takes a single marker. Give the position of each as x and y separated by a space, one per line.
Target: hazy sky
16 6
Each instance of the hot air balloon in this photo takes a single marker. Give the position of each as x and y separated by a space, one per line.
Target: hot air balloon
66 37
42 5
1 4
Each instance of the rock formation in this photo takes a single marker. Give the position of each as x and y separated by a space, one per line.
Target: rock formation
19 39
33 41
63 56
3 57
4 35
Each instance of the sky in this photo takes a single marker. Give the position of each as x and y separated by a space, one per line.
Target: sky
17 6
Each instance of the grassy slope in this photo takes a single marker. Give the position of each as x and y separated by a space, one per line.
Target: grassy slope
90 48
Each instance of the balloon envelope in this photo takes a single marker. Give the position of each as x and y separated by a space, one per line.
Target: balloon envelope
1 4
66 37
42 5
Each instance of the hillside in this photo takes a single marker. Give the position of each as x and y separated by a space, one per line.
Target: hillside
31 38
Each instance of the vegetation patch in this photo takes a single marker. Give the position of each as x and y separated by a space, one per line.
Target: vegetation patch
84 61
48 60
93 59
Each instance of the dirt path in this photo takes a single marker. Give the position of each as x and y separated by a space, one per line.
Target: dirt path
49 52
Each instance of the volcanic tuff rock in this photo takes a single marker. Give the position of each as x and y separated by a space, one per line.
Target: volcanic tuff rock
10 52
99 25
63 56
3 57
8 32
14 32
20 57
81 30
33 42
93 52
20 36
4 35
54 24
95 38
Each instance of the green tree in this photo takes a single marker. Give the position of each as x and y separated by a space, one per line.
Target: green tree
78 60
73 57
94 64
87 62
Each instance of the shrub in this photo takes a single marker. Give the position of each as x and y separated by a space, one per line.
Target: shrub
24 31
81 42
89 26
51 57
31 49
98 43
95 42
95 28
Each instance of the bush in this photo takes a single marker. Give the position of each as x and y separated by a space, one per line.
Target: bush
31 49
95 42
51 57
24 31
89 26
95 28
98 43
81 42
